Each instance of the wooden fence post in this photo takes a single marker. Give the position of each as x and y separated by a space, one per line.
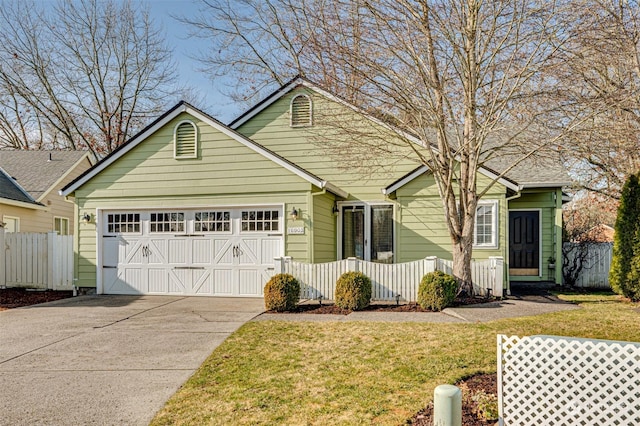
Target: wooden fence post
352 264
432 263
52 266
3 260
497 275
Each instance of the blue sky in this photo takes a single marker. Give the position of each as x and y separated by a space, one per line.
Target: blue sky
185 48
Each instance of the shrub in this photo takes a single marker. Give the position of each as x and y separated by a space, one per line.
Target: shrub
281 293
353 291
624 275
437 290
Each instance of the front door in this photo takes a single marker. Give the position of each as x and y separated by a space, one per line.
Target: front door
524 243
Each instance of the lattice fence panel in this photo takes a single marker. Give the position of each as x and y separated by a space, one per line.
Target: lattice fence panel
550 380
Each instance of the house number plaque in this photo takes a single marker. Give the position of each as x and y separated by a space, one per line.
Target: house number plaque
295 230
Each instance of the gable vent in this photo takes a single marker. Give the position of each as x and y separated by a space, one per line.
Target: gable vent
301 111
185 139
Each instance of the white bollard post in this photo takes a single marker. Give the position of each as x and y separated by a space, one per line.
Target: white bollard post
447 406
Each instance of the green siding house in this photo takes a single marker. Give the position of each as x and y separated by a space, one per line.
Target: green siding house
192 206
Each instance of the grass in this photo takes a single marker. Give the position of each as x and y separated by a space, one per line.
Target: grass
363 372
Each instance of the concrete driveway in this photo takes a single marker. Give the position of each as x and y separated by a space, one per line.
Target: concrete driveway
107 360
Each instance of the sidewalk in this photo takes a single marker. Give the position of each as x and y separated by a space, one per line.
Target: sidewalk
484 312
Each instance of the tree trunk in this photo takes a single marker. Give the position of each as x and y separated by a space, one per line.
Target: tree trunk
462 254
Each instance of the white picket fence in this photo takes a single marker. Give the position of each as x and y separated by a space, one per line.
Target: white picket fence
390 281
551 380
38 261
595 273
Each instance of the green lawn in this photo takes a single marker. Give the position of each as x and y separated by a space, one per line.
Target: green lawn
362 372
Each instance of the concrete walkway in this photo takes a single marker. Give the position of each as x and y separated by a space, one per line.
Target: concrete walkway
107 360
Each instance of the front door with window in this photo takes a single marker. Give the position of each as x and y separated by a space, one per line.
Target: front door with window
367 232
524 243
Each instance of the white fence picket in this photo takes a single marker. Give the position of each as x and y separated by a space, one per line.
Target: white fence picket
595 272
39 261
388 280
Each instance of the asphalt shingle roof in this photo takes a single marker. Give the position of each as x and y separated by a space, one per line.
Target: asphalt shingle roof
10 190
37 171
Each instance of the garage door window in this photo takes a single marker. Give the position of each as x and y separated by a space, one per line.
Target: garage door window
260 220
212 221
167 222
120 223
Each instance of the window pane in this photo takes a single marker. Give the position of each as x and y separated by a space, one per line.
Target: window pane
484 228
353 232
382 234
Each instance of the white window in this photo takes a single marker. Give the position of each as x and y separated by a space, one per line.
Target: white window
486 228
260 220
11 224
120 223
61 225
366 232
301 111
218 221
167 222
185 140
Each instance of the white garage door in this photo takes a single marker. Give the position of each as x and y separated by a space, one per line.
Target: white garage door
216 252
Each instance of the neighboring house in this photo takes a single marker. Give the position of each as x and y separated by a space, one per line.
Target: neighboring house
29 185
191 206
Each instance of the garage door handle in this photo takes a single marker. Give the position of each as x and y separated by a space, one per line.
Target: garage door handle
188 267
274 235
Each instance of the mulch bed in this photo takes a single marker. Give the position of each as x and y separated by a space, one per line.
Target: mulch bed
329 308
18 297
486 383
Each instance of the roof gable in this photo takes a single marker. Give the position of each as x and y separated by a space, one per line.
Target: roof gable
174 112
526 175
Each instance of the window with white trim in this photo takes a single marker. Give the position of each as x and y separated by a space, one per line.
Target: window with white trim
61 225
260 220
218 221
11 224
185 140
301 111
167 222
120 223
486 227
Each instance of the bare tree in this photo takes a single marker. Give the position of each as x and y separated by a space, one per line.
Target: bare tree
600 77
465 78
82 74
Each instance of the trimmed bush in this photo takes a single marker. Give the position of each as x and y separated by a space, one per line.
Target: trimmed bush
437 290
281 293
624 275
353 291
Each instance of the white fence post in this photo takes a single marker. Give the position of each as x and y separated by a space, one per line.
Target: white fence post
497 275
52 268
432 264
3 253
352 264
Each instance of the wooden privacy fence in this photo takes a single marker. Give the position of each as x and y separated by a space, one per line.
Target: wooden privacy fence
551 380
388 280
40 261
596 264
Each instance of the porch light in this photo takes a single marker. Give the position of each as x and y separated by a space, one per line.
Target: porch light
86 218
294 214
335 210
